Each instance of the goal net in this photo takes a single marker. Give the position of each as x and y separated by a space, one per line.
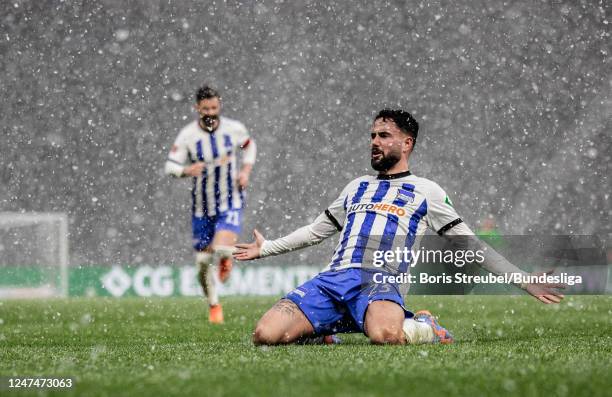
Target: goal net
33 255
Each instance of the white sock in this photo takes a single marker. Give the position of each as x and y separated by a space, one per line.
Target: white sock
417 333
204 261
222 252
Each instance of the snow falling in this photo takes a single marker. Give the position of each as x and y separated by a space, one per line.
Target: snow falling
514 102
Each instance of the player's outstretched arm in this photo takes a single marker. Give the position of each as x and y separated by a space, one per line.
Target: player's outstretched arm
444 220
497 264
305 236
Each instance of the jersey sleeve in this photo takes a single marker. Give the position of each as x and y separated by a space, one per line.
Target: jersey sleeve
336 212
242 135
177 156
178 151
246 143
303 237
441 215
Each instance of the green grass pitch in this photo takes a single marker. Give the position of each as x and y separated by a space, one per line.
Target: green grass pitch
506 346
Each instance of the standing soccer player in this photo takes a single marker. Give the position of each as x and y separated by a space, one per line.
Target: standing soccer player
373 213
206 150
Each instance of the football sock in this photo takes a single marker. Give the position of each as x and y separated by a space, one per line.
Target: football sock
223 251
417 333
206 276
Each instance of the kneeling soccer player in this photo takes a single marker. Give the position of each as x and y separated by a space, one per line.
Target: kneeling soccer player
373 213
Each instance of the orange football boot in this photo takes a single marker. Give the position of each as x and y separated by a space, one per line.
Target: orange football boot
441 334
215 314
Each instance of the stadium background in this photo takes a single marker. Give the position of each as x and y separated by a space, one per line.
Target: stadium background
514 102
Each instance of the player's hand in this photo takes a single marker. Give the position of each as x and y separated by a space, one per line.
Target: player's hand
243 179
194 169
246 252
547 292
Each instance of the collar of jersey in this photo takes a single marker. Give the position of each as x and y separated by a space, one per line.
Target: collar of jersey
394 176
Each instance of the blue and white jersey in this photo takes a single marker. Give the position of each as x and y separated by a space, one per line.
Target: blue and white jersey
384 213
216 190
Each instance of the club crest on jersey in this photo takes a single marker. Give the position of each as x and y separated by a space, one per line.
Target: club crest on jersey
405 196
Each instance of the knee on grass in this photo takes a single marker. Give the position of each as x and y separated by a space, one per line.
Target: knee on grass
387 335
263 335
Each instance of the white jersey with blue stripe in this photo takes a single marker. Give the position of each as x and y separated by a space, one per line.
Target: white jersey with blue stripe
384 213
216 189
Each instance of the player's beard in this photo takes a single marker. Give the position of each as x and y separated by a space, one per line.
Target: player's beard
386 161
209 121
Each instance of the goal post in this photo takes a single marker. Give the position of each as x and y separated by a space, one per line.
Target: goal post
33 254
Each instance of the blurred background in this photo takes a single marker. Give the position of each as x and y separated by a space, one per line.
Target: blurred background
514 100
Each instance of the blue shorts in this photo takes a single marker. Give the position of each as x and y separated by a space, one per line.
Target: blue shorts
204 228
336 301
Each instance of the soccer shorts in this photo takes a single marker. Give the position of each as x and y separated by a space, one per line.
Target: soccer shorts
204 228
336 301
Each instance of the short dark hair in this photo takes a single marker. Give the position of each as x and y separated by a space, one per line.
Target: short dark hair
404 121
206 92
